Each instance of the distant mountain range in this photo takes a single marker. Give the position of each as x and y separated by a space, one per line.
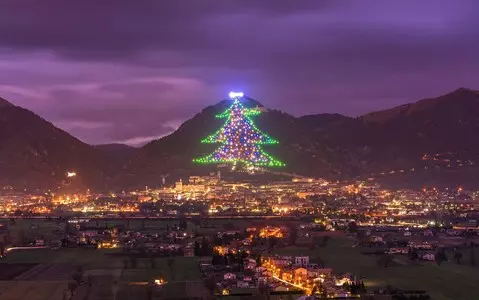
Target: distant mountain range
432 141
35 153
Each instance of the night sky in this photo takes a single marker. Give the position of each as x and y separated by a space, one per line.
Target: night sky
132 71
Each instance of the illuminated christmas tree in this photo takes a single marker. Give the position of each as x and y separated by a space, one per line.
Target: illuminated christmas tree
241 140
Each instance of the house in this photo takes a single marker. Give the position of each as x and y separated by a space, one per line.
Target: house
428 232
189 251
301 261
242 284
345 279
229 276
206 260
39 242
250 266
428 256
286 257
317 272
300 275
398 250
452 232
228 233
281 262
287 275
263 279
420 245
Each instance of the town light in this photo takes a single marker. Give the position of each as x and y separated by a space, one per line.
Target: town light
71 174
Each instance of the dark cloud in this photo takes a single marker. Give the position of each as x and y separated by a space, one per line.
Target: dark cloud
117 70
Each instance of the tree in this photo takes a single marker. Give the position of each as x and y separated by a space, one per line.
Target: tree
325 241
149 292
293 234
78 275
258 260
72 286
314 290
115 287
385 260
352 227
412 254
362 287
457 257
171 263
241 140
323 292
472 259
183 225
205 249
197 248
210 284
264 289
440 256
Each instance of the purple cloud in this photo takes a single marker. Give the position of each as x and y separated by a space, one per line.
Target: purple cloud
128 71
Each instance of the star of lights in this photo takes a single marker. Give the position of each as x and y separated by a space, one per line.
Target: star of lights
241 140
236 95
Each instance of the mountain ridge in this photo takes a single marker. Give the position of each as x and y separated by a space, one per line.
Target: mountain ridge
322 145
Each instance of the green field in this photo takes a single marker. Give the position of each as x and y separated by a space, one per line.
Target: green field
32 290
87 258
51 281
182 268
446 282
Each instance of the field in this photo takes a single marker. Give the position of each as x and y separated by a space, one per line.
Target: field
449 281
43 274
32 290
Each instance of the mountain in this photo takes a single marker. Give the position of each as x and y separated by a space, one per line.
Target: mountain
173 154
432 141
5 103
403 138
34 153
116 152
447 124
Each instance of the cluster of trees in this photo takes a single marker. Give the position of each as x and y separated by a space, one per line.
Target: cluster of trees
356 288
440 255
398 294
411 297
230 259
204 248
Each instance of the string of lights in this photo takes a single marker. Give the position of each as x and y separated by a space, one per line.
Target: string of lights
240 138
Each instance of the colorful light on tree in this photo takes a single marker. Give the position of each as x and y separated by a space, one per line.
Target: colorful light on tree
241 140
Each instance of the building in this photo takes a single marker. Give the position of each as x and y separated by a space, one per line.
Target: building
229 276
300 275
301 261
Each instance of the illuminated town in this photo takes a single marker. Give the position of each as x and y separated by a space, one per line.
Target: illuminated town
265 251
